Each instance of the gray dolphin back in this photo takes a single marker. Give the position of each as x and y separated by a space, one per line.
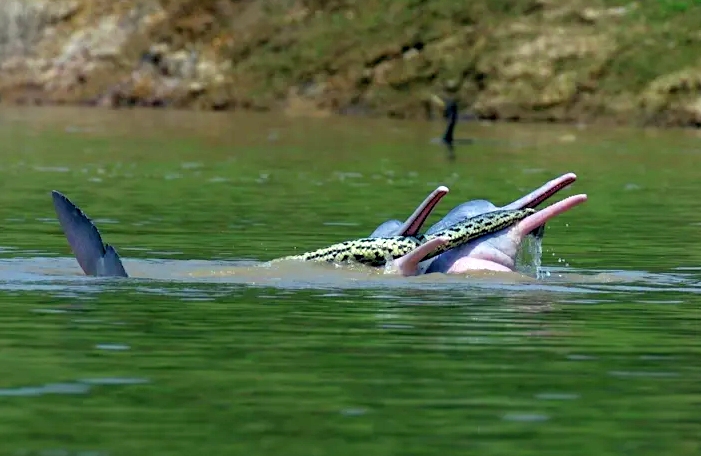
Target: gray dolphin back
461 212
94 256
387 229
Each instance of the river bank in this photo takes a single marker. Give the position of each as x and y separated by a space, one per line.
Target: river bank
525 60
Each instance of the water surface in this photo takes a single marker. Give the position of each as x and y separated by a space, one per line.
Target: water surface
600 355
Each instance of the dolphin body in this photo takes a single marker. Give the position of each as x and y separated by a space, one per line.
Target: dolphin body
497 251
102 260
494 252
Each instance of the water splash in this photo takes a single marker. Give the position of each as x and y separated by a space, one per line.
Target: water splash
529 257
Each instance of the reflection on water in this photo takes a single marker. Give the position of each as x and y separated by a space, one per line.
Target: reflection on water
79 387
63 277
206 349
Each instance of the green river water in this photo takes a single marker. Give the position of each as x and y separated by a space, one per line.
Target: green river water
600 356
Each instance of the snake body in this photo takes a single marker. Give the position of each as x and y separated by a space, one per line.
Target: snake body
377 251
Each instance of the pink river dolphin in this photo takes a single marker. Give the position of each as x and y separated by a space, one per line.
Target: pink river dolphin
496 252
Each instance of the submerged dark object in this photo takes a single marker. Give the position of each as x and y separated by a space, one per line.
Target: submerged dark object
94 256
450 114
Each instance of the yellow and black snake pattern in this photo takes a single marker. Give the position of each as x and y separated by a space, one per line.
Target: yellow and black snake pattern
377 251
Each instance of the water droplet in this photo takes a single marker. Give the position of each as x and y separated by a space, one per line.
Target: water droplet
642 374
557 396
580 357
527 417
50 311
112 347
353 412
51 388
114 381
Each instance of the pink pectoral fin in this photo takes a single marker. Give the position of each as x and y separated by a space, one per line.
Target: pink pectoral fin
408 265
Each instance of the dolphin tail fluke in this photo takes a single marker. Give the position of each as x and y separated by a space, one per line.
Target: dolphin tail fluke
94 257
112 264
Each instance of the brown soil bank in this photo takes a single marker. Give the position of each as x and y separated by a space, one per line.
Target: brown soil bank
554 60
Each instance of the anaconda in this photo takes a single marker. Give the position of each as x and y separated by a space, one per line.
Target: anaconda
376 251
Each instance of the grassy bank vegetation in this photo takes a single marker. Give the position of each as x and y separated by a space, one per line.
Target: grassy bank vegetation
553 60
